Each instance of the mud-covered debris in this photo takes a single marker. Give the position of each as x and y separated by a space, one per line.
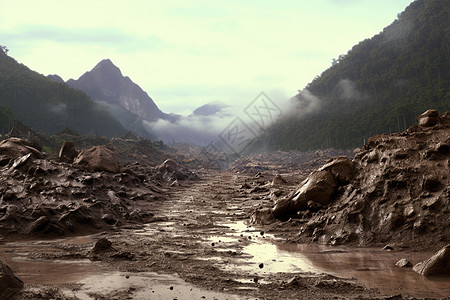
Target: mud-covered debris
437 265
404 263
396 189
67 153
171 172
169 165
102 245
125 255
17 147
429 118
10 284
297 282
98 158
320 187
278 180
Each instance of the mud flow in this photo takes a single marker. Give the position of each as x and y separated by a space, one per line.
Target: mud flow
167 232
263 257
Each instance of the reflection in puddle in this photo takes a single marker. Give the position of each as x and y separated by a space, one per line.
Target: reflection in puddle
374 268
143 286
85 279
47 271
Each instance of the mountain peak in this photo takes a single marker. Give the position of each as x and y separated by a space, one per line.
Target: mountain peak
106 83
107 66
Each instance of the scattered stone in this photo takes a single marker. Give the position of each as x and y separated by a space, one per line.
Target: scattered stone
123 255
98 158
109 219
429 118
67 153
278 180
10 284
404 263
101 245
169 165
388 248
437 265
261 265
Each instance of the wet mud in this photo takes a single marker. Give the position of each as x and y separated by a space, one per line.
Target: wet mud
199 245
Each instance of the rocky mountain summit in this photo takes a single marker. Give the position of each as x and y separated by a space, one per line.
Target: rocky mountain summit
105 82
395 190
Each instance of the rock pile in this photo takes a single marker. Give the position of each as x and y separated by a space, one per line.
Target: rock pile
40 196
398 191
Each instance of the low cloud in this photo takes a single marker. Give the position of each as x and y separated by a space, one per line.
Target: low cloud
304 103
59 109
193 129
347 90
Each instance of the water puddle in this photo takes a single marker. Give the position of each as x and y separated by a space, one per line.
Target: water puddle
142 286
86 280
252 254
372 267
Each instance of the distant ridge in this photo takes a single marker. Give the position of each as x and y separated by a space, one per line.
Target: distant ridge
379 86
47 106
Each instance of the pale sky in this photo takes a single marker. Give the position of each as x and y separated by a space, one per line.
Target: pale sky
188 53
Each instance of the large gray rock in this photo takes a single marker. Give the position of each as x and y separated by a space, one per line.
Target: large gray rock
10 284
98 158
437 265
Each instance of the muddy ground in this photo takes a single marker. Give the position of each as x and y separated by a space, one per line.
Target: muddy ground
169 231
199 233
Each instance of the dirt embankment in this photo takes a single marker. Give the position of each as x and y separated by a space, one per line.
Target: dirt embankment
398 193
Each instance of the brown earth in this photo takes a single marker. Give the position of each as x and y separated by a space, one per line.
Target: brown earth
166 219
399 193
190 236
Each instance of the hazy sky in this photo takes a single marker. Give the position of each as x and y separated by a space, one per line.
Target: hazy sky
187 53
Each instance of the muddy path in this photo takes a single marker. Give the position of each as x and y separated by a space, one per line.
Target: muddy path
198 246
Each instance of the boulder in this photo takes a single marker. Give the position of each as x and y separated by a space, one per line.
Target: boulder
342 169
101 245
98 158
16 147
429 118
169 166
437 265
319 187
278 180
404 263
10 284
67 152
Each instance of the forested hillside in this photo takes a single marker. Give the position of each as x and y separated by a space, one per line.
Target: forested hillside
48 106
379 86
